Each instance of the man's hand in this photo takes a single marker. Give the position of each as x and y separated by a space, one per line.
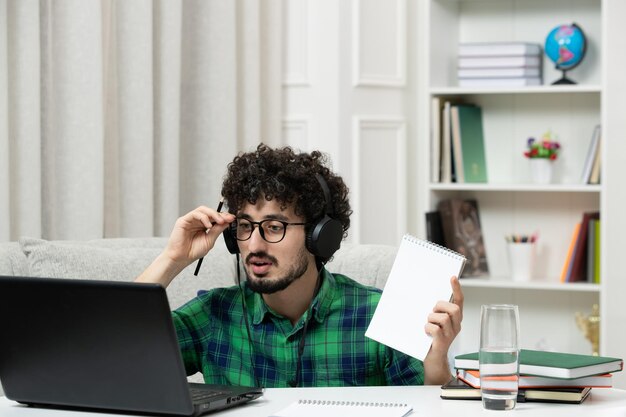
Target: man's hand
444 323
193 236
195 233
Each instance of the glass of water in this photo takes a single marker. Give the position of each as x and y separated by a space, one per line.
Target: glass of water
499 356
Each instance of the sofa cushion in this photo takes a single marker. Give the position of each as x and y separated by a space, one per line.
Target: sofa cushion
109 259
365 263
123 260
12 260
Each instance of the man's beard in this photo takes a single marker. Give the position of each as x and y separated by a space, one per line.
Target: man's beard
270 286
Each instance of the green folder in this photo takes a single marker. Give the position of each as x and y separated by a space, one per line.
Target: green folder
472 143
552 364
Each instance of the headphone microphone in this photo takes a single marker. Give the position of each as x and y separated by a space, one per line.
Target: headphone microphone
323 238
229 239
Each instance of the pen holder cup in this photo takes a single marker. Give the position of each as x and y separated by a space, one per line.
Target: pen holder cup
521 260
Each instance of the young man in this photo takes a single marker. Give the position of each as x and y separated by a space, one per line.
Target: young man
291 323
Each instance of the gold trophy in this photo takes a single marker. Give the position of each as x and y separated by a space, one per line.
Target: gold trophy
590 326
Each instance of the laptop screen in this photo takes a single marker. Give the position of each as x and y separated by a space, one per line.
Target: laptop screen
87 343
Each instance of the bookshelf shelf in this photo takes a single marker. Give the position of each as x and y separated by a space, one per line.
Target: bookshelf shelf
505 283
552 188
544 89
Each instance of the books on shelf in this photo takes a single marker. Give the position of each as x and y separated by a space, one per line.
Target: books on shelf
580 254
446 145
567 265
468 142
590 159
457 151
499 82
435 139
519 61
460 222
594 177
552 364
494 49
456 389
593 251
472 377
434 231
499 64
596 254
457 143
520 72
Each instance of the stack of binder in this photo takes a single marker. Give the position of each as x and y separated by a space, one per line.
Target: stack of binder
496 64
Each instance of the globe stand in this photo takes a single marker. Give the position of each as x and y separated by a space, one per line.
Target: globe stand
564 80
566 46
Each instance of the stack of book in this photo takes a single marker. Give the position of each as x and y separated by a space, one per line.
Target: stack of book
544 376
497 64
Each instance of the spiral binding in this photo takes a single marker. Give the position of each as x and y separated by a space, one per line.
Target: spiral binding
434 246
350 403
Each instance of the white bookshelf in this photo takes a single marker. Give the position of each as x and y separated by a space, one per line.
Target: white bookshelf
509 203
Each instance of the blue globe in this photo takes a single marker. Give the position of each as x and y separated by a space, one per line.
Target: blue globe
566 46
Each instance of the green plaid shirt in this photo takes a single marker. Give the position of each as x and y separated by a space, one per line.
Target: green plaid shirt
213 340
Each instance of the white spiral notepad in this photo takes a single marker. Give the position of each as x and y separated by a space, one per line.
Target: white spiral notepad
419 277
317 408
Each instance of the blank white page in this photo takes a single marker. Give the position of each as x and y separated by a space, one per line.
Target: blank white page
419 277
317 408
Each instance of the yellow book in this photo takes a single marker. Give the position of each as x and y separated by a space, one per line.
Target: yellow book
570 250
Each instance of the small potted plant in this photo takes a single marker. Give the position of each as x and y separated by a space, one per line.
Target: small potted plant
541 154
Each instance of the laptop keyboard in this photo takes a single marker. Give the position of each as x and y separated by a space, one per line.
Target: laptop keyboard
199 395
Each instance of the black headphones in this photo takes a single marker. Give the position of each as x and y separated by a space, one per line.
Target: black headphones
323 238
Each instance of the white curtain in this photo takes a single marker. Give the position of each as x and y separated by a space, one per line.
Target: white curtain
118 116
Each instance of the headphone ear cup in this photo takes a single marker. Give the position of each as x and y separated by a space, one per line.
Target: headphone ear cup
231 242
324 238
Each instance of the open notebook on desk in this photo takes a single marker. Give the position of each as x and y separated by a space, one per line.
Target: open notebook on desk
317 408
419 277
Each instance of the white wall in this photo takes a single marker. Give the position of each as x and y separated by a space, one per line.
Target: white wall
347 92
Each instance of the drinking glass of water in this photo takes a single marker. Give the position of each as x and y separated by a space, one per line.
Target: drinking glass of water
499 356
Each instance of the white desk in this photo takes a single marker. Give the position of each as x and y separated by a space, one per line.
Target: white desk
425 400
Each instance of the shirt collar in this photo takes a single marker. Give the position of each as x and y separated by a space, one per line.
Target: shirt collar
321 303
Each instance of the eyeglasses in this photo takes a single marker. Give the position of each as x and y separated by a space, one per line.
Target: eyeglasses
271 230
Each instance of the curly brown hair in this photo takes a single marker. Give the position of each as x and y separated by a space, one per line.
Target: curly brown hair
289 178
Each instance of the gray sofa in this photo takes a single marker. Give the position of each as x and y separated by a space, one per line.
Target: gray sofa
123 259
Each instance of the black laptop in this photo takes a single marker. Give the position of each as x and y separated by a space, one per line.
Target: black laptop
99 345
